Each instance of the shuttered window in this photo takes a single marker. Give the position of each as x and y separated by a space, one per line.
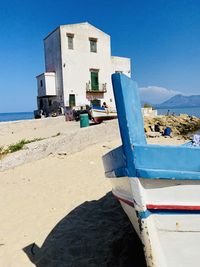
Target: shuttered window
93 45
95 80
70 39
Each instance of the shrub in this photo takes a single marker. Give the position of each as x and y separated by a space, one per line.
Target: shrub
146 105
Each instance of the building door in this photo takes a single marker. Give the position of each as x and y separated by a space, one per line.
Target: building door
41 104
95 80
72 100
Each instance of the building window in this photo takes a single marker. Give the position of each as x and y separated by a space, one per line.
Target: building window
41 83
70 39
119 71
93 45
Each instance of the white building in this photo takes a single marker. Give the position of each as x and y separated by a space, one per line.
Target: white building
78 65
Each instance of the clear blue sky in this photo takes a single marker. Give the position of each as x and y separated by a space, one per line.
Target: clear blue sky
162 37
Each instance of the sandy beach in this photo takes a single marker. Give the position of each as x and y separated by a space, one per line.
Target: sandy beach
58 211
12 132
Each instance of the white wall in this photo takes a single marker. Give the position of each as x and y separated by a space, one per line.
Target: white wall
53 59
78 62
121 64
149 112
48 87
50 84
72 67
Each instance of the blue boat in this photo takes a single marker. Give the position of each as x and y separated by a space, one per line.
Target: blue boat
157 186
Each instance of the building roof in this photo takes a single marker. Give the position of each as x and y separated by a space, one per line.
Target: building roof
46 73
76 24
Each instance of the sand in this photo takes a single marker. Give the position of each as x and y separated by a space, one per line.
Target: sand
58 211
12 132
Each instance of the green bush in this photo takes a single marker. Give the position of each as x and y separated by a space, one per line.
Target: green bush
19 145
147 106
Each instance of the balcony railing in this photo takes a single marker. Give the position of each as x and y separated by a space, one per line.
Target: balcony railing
100 88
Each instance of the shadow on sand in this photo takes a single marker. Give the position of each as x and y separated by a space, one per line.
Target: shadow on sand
96 233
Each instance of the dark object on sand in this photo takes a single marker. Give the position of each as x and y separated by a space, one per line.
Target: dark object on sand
167 131
77 114
84 120
37 114
157 127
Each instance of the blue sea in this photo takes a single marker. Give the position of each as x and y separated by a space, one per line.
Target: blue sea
16 116
177 111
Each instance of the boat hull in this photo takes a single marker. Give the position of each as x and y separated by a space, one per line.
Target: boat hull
158 186
99 115
166 217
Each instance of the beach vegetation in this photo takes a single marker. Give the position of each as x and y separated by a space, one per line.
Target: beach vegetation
1 151
146 105
17 146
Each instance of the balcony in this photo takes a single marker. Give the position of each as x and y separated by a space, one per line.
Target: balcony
100 88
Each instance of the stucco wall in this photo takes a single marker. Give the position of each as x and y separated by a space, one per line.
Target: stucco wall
121 64
72 66
50 84
53 59
48 87
149 112
78 62
68 143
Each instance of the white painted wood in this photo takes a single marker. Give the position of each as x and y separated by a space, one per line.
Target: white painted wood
170 240
107 113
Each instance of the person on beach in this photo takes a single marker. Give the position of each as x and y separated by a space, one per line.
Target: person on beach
157 127
104 105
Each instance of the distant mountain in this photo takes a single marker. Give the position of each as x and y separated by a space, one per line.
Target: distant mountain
181 101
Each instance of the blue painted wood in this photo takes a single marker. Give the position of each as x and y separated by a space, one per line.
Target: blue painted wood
167 174
145 214
129 115
148 161
167 157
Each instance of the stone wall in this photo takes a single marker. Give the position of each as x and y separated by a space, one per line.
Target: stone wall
64 144
79 139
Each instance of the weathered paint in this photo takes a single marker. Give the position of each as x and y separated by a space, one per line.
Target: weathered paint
176 162
142 159
129 115
165 212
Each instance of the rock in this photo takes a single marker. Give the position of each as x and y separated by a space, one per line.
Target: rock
180 125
